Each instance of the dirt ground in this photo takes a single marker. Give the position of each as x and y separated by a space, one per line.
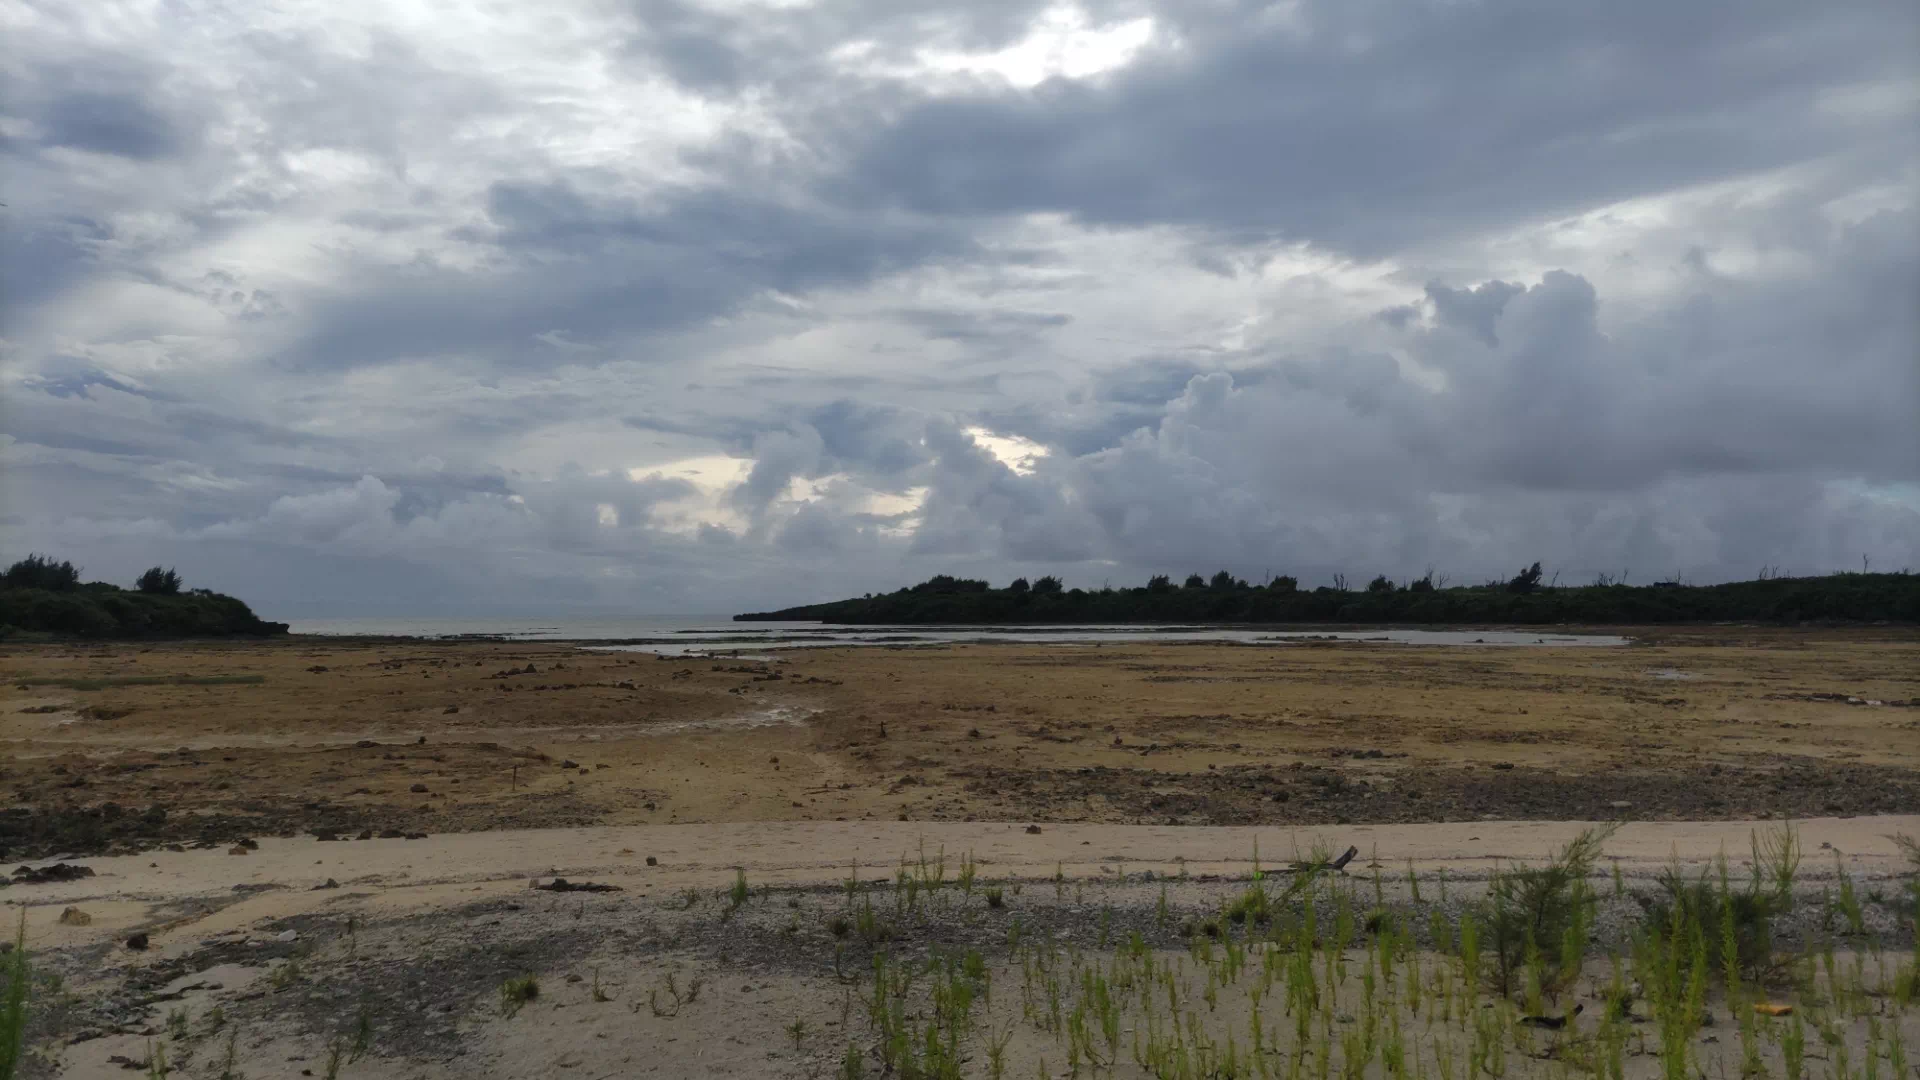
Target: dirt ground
125 747
392 954
324 848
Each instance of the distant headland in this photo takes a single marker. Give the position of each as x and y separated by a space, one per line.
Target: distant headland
1523 599
42 597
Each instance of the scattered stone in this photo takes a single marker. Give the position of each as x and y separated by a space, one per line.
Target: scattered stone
137 942
1033 829
651 861
561 884
27 875
73 916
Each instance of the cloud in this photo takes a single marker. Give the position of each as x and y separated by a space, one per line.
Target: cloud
1372 126
700 307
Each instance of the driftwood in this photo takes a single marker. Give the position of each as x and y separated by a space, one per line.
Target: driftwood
1337 864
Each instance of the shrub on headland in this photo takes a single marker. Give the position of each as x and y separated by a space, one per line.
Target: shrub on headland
40 596
1526 598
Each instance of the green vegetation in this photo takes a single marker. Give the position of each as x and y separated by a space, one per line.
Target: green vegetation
1540 916
1523 599
39 596
162 582
13 1005
517 992
1307 975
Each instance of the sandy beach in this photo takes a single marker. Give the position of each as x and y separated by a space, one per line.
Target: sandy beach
328 848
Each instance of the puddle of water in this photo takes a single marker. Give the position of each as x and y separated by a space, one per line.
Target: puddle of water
778 716
720 637
714 643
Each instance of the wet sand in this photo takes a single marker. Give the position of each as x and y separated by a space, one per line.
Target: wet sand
219 794
1719 723
292 947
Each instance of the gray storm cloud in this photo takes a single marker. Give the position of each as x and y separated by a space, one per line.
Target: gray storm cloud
688 307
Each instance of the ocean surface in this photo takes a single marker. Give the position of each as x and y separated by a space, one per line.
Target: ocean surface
682 634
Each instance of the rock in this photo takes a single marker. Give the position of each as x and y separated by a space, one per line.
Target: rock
73 916
365 834
287 937
1620 804
561 884
418 789
327 884
569 764
137 942
651 861
1033 829
237 849
27 875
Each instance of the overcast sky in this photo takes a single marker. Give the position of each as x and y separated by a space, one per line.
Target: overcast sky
677 306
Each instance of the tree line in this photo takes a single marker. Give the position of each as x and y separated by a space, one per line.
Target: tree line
1529 597
42 596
